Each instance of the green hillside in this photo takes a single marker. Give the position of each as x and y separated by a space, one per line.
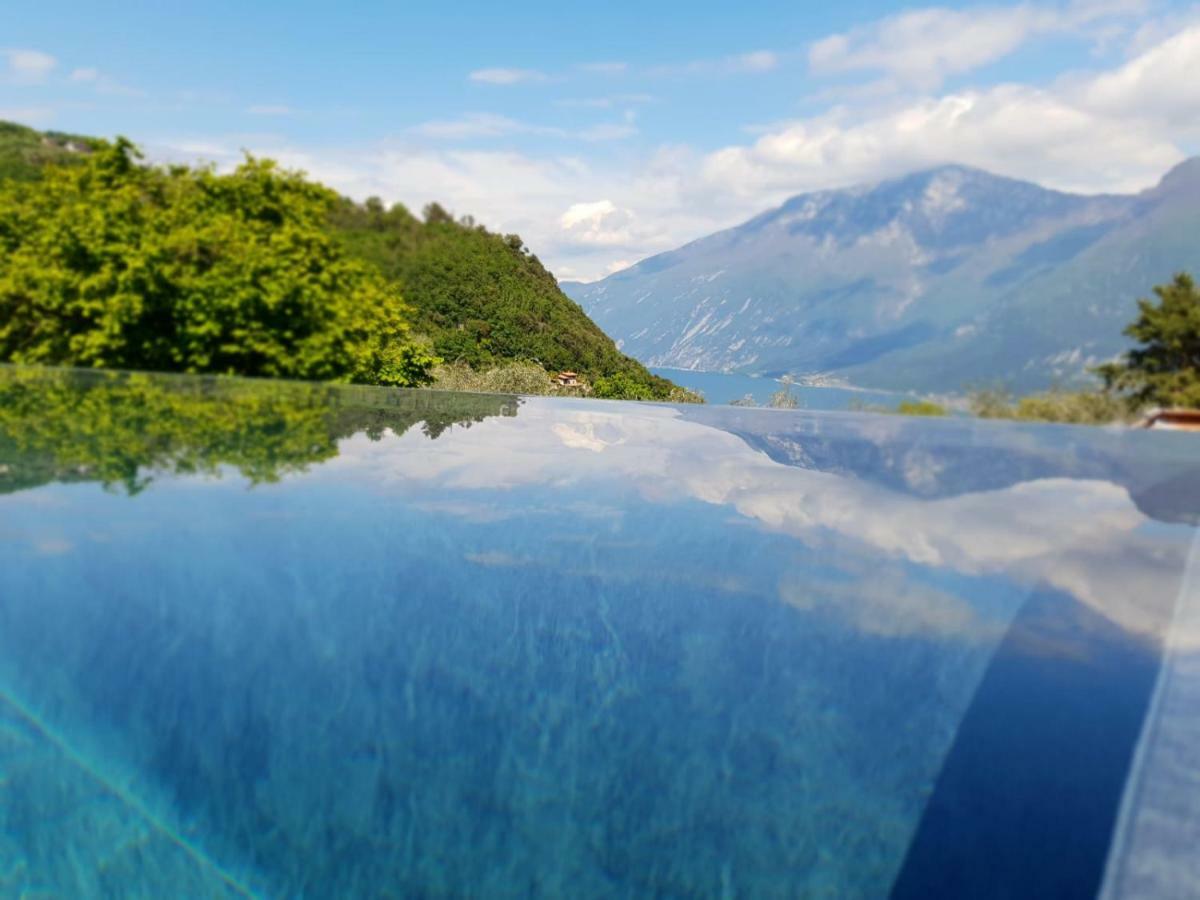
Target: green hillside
483 298
25 152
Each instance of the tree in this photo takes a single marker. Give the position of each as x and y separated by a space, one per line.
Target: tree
113 264
1165 370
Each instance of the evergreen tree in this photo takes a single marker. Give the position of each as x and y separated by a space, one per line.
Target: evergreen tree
1165 369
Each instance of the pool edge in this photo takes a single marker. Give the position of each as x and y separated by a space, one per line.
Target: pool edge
1158 827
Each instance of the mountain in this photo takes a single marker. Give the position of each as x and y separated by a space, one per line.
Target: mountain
933 281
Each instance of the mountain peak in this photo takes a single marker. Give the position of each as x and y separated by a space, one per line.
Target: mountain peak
1183 177
939 207
932 280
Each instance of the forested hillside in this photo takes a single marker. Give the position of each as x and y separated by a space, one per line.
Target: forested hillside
484 298
25 152
108 262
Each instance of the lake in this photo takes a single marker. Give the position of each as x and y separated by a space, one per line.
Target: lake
726 387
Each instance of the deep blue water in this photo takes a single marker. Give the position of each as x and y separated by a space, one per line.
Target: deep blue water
272 640
725 387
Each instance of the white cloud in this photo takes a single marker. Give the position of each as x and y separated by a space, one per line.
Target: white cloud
600 223
1153 31
28 66
102 83
1011 129
268 109
1118 130
1163 82
758 61
501 76
604 68
486 125
922 47
604 102
471 125
754 62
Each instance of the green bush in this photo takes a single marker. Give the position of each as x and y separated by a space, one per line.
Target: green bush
108 263
621 386
511 378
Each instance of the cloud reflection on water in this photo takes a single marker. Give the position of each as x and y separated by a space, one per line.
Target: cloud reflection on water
1085 536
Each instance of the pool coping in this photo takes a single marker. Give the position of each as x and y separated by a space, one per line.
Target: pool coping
1153 851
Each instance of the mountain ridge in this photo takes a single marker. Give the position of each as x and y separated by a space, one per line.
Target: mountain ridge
909 282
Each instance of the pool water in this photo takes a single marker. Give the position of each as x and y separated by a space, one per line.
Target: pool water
281 640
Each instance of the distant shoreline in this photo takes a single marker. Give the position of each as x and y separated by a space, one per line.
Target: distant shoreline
809 381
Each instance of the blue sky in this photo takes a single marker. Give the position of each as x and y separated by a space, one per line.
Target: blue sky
606 132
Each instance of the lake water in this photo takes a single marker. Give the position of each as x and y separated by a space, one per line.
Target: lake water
724 387
282 640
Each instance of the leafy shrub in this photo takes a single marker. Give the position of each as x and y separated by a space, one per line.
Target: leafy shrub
111 264
519 377
622 387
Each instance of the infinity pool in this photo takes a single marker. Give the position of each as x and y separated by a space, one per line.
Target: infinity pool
275 640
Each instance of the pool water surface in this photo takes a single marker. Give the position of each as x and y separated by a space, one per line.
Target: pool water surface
293 641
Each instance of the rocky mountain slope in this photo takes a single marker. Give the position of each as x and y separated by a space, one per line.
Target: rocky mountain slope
934 281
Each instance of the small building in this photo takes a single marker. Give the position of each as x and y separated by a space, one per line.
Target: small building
1177 419
566 379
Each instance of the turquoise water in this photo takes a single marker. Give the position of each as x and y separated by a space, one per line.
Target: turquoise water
267 640
725 387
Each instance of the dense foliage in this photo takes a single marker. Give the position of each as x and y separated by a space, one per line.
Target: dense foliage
108 263
516 377
484 299
113 264
1165 369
